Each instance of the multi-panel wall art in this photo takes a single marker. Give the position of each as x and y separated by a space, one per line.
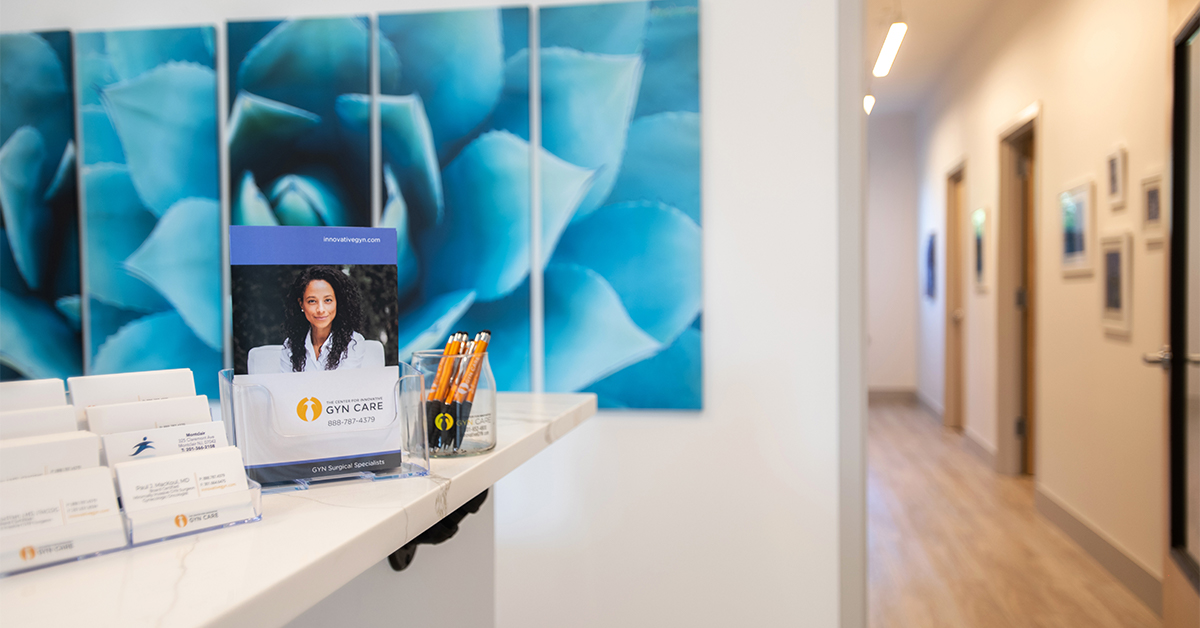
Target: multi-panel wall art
39 235
618 166
149 178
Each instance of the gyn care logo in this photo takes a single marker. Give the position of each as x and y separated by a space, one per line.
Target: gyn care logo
309 409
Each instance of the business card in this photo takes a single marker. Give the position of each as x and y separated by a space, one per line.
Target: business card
164 441
32 393
191 516
49 518
37 421
50 453
102 390
180 478
147 415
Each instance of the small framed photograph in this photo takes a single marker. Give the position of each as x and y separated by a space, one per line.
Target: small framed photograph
979 242
1116 253
1078 216
1153 208
1115 177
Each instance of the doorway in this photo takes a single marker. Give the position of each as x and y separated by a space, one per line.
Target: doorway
1016 305
952 415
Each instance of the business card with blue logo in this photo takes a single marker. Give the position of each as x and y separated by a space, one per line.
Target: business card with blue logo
164 441
315 350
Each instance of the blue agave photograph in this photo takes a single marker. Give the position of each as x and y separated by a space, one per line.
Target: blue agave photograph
299 121
457 180
620 97
40 334
147 103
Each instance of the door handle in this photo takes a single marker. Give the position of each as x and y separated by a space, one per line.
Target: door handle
959 315
1162 358
1194 359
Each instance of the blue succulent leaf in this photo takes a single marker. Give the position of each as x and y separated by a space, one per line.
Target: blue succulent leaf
182 260
27 220
251 207
589 335
299 198
672 78
71 307
60 41
35 340
427 325
159 341
260 128
389 67
10 276
514 23
563 186
408 147
587 101
611 28
308 63
395 215
135 52
662 162
453 60
671 380
92 70
240 39
63 183
167 121
104 320
650 254
117 223
34 93
483 242
100 143
508 353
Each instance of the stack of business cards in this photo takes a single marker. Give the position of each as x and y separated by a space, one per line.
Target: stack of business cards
37 421
50 453
50 518
27 394
164 441
147 415
102 390
185 492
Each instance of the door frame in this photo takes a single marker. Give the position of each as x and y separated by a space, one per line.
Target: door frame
954 368
1016 365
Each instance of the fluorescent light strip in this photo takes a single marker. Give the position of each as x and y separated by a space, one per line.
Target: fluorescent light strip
891 46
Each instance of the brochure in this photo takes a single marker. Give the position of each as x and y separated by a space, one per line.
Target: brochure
315 315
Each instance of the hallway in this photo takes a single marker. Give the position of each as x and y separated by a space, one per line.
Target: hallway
951 543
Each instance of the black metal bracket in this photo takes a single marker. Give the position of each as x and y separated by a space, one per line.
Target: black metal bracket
439 532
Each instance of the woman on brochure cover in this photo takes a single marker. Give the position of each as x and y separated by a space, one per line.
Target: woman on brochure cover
321 312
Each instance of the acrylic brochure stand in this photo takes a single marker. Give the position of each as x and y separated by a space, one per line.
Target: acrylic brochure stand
300 429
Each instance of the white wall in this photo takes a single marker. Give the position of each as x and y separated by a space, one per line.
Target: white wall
1100 68
892 173
729 516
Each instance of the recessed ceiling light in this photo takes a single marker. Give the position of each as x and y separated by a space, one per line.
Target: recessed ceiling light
868 103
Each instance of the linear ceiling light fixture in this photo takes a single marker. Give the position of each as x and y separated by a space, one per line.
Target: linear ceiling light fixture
891 46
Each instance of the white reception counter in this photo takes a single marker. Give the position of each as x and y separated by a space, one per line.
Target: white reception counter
307 546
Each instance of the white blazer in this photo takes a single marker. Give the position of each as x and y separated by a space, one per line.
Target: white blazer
352 359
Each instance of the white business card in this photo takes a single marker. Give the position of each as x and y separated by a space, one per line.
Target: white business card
191 516
164 441
102 390
32 393
50 453
49 518
147 415
180 478
37 421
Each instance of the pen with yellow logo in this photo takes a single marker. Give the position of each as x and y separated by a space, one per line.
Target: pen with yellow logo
464 393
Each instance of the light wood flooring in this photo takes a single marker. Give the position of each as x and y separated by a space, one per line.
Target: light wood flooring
951 543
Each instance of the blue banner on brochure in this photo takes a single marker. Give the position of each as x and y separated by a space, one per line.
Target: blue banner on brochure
252 246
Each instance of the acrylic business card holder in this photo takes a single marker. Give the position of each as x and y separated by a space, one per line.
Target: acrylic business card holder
34 546
467 425
194 516
252 417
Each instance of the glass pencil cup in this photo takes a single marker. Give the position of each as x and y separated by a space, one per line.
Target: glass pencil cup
460 402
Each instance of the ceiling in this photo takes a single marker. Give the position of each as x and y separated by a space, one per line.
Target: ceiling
937 31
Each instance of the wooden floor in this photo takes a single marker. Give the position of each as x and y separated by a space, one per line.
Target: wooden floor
954 544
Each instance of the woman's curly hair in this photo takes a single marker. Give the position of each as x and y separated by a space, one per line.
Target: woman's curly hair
349 314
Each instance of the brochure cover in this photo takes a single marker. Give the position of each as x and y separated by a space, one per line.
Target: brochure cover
314 325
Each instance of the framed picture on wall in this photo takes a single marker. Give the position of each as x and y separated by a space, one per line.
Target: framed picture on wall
1115 177
1153 208
979 244
1116 253
1078 216
931 267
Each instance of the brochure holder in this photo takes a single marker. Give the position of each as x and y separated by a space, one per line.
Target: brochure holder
324 438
